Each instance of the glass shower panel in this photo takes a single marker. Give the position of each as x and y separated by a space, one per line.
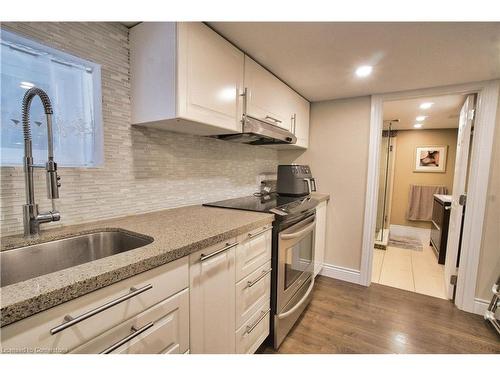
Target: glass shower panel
382 223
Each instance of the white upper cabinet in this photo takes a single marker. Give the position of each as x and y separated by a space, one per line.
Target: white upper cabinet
300 123
186 78
268 98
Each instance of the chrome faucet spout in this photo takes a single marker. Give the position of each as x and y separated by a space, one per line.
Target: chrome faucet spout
33 218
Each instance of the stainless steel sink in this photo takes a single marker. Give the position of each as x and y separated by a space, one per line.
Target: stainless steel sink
27 262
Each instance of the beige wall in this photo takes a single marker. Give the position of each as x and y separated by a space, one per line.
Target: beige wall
404 175
338 154
489 260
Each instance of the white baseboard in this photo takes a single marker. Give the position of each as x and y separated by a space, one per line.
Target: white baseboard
405 231
341 273
480 306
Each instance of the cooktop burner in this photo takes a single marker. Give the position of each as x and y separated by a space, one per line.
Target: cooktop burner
273 203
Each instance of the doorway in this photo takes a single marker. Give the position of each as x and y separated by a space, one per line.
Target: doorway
415 192
470 242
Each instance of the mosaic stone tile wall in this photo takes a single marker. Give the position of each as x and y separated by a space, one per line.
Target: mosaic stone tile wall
144 169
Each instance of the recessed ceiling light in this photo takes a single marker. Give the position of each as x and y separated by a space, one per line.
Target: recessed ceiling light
364 71
418 126
426 105
421 118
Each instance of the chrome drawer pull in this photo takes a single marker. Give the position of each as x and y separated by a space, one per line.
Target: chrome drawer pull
208 256
70 321
252 327
264 273
252 235
135 332
273 119
299 233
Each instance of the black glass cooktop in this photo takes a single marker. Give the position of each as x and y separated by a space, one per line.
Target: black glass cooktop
268 203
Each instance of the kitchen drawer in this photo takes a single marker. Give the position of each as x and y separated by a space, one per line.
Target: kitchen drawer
33 333
253 251
253 333
251 292
168 331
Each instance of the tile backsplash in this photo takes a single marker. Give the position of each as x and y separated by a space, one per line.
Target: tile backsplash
145 169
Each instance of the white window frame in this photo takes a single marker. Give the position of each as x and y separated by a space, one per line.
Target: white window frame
98 132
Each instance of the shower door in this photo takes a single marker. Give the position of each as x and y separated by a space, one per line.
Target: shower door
386 166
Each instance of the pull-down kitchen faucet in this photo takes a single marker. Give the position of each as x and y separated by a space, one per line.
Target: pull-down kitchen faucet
32 218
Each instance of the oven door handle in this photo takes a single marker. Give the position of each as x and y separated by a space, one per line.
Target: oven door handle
299 304
289 236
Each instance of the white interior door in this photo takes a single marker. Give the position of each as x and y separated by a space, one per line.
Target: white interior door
459 189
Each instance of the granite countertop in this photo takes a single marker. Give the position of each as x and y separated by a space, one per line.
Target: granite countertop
444 198
177 232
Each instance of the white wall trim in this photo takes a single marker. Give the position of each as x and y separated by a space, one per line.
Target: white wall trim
480 306
341 273
376 122
477 189
477 195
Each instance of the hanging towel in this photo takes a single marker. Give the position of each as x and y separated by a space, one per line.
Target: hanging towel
420 201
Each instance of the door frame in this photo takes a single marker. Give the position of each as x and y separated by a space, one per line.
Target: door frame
477 189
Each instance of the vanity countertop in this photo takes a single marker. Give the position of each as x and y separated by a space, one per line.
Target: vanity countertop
444 198
177 232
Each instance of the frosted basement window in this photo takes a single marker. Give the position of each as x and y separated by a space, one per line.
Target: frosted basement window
74 87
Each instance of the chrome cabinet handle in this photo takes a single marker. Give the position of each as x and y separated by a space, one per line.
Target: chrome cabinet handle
252 235
294 123
251 327
245 103
262 275
135 332
70 321
208 256
447 207
273 119
299 233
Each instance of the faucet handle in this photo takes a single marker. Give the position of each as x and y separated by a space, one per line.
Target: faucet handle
53 183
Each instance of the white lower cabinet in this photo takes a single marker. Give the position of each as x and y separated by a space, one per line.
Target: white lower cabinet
211 281
162 329
124 301
320 237
253 333
230 286
251 292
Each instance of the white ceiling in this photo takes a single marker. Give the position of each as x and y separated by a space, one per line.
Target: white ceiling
443 114
318 59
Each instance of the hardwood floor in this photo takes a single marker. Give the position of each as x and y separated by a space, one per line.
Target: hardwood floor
349 318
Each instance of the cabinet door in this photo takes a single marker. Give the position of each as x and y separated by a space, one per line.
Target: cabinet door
210 77
164 328
212 301
268 98
320 239
301 121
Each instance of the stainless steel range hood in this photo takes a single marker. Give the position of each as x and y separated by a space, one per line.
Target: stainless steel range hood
258 132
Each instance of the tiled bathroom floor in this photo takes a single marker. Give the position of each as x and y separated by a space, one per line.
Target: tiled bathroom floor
416 271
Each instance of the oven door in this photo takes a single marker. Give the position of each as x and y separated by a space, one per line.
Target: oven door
295 259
